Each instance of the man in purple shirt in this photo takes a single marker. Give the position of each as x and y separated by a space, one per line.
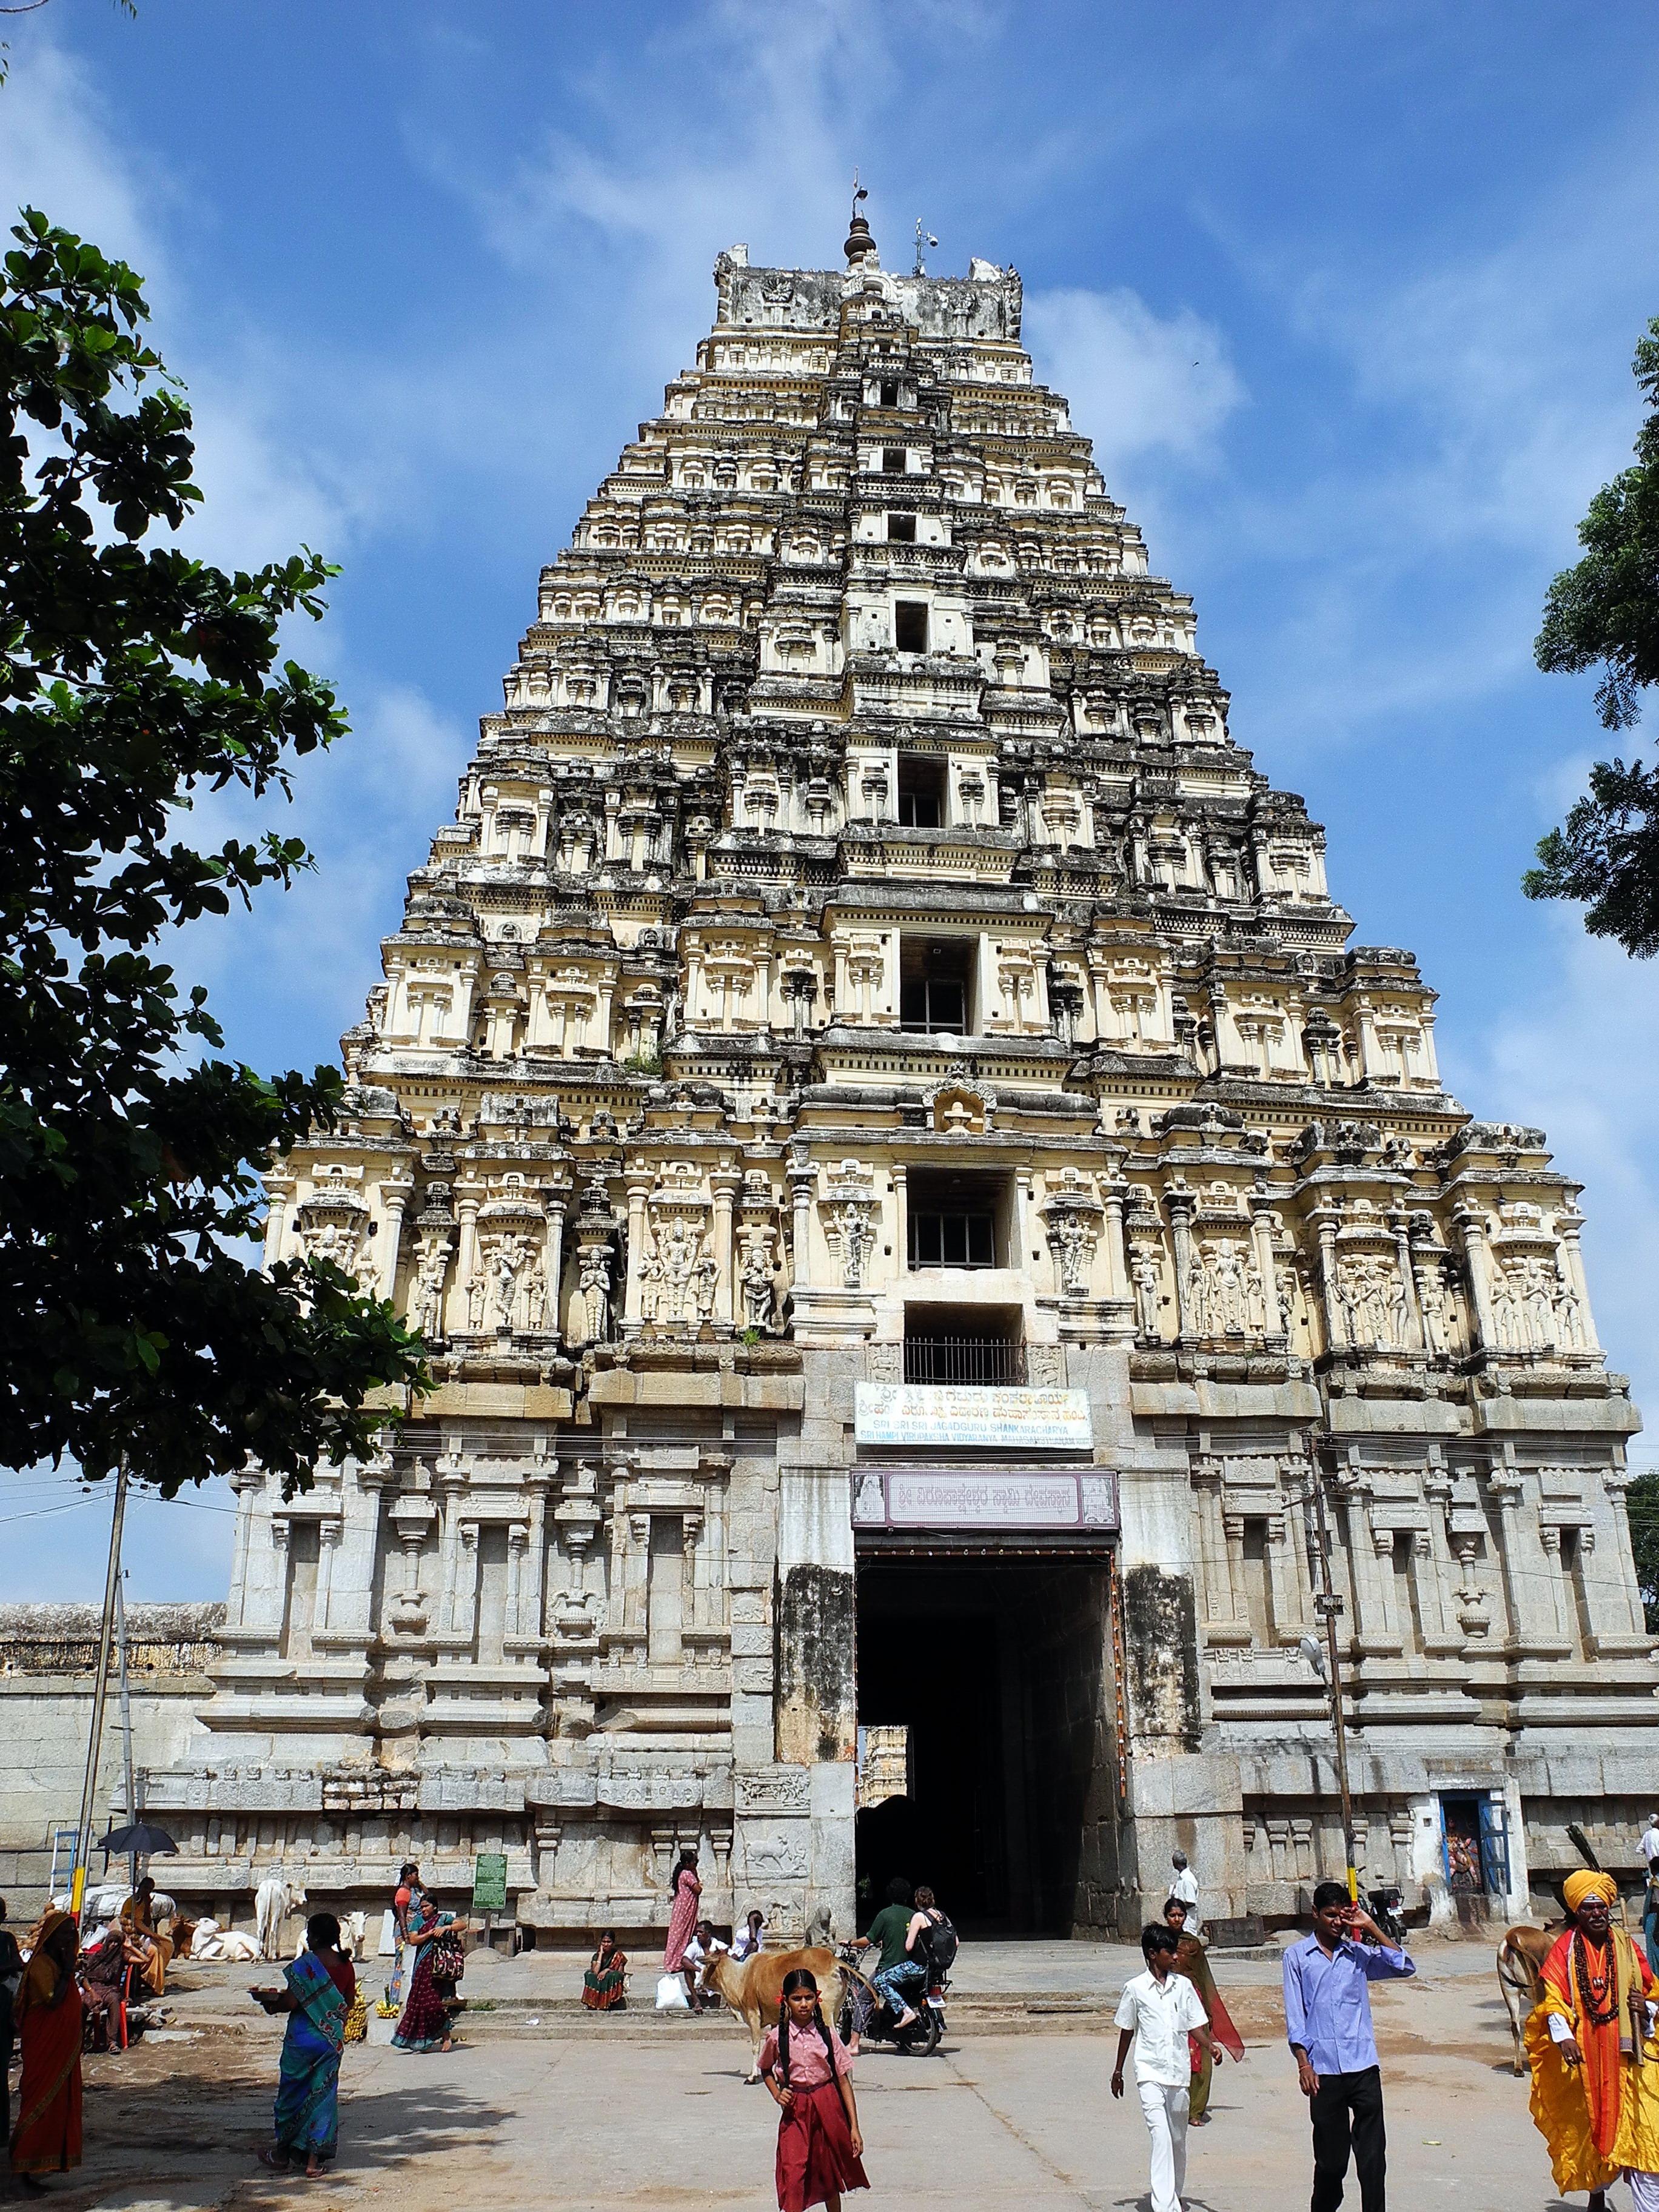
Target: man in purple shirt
1328 2017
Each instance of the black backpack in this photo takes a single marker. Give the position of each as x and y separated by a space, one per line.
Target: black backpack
943 1942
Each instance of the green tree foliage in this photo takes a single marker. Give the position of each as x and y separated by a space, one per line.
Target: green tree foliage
134 679
1604 613
1642 1501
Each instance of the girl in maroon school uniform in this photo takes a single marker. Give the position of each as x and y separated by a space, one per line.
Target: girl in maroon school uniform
809 2072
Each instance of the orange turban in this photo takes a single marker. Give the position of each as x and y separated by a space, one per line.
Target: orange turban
1582 1884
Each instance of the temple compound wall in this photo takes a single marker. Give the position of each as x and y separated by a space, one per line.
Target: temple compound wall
917 1203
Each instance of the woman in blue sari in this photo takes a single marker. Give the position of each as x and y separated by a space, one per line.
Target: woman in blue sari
321 1984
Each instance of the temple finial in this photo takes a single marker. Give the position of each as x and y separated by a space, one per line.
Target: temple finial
859 247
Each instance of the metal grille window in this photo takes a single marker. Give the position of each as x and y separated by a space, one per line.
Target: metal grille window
970 1360
962 1236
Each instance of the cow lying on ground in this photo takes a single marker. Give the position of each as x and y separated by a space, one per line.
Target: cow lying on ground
1521 1957
753 1988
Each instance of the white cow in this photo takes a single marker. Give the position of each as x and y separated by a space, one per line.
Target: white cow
273 1901
351 1936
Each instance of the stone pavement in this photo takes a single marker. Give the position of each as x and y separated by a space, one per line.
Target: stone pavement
654 2114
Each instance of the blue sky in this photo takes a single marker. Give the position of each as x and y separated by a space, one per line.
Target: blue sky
1346 298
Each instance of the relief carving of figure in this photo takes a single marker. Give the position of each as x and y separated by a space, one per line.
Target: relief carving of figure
426 1297
758 1296
676 1284
505 1263
1569 1318
477 1291
593 1281
535 1300
1071 1239
1146 1278
857 1236
1436 1310
1538 1282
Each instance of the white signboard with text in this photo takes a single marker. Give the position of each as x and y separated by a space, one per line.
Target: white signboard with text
972 1418
1002 1499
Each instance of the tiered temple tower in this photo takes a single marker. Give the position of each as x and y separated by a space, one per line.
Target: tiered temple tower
905 1177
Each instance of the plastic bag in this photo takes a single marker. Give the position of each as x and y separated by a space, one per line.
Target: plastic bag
671 1994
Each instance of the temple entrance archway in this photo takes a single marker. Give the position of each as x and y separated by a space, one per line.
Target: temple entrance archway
1000 1667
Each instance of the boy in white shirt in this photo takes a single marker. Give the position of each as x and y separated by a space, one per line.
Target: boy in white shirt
1157 2012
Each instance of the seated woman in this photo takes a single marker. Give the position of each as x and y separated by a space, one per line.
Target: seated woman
321 1988
604 1985
104 1964
138 1916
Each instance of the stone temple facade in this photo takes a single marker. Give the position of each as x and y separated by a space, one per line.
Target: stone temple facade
910 1184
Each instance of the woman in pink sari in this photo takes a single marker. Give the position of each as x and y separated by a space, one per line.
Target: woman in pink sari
686 1890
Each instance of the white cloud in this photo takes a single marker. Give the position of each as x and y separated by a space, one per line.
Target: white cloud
1138 383
58 152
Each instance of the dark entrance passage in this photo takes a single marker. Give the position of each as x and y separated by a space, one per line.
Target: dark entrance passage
1002 1671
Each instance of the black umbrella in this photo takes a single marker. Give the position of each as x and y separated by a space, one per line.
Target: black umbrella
139 1841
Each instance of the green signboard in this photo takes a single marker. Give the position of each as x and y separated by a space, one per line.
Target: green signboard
489 1882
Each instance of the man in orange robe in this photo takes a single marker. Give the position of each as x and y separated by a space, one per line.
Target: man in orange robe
1595 2065
47 2138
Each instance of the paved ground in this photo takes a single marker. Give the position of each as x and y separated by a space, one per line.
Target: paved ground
561 2114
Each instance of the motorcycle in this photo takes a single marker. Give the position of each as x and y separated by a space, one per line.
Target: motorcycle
865 2012
1384 1906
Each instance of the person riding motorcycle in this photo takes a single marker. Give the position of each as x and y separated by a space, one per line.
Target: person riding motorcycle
902 1929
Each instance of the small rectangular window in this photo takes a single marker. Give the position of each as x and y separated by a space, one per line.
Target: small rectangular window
889 392
900 529
935 976
953 1219
967 1239
892 461
921 792
910 625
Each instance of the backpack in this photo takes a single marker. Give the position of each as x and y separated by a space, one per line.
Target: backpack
943 1942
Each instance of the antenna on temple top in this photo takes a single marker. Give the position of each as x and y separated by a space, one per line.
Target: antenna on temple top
924 239
859 247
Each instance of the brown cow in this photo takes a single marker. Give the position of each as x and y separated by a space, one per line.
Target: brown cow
1521 1957
753 1988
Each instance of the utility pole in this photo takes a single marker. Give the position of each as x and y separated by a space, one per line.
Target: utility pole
112 1586
1328 1606
126 1717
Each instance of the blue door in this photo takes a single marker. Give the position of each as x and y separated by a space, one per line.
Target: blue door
1495 1846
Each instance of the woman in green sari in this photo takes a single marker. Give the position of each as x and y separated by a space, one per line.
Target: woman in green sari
320 1986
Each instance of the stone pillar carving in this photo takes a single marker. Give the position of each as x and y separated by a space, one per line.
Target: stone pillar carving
1412 1313
1330 1289
1472 1228
553 1260
724 1184
639 1190
1568 1223
1180 1219
467 1201
1117 1263
394 1198
1274 1324
803 1182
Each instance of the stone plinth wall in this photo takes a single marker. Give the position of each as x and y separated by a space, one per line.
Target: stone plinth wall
48 1662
